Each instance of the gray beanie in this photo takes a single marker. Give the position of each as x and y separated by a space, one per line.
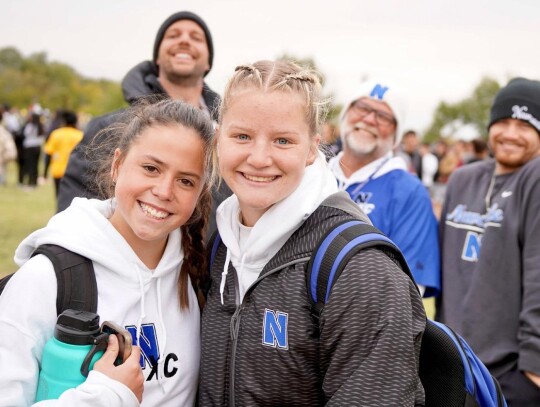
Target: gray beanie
185 15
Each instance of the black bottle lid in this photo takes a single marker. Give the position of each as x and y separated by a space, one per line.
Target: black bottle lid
77 327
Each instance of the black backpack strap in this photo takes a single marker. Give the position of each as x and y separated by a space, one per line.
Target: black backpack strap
4 281
77 287
334 250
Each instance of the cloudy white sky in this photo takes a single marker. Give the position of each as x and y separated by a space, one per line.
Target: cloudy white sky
437 50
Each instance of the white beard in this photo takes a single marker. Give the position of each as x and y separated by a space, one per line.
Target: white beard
358 143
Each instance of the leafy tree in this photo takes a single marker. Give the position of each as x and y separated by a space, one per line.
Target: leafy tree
54 85
473 110
309 63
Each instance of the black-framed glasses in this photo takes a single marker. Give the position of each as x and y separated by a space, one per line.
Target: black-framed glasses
381 118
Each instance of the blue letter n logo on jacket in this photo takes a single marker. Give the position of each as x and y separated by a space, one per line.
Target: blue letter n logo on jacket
275 329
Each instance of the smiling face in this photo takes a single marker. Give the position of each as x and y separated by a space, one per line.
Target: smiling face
264 146
158 184
183 52
513 143
364 135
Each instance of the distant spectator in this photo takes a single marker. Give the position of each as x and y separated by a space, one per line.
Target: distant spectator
56 122
34 136
60 144
430 165
13 123
480 150
330 140
8 151
410 146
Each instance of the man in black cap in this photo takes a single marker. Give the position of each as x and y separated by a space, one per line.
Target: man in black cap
183 55
490 246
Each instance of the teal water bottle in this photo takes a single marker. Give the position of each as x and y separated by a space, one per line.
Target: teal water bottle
70 354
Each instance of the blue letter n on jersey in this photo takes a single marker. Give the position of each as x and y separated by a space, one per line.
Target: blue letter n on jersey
471 248
275 329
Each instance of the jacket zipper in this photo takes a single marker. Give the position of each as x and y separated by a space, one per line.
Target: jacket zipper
235 324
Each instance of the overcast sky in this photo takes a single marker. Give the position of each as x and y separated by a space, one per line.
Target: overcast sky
437 50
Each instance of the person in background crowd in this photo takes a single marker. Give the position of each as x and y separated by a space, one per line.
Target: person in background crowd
13 123
430 165
490 246
59 145
183 55
395 200
56 122
330 140
410 147
480 150
8 150
33 137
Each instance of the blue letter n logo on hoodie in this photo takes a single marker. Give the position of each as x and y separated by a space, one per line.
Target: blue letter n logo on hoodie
378 92
275 329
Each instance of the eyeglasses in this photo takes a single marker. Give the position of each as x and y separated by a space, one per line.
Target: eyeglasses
381 118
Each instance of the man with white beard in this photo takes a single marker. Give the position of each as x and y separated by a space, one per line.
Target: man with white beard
396 201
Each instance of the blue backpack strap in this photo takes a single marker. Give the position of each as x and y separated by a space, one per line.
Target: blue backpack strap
76 280
334 250
216 240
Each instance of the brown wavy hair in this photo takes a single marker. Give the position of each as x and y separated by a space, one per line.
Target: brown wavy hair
132 122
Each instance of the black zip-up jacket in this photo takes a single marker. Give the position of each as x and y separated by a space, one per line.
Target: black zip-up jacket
267 351
140 81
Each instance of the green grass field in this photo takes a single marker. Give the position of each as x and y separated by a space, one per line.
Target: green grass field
22 213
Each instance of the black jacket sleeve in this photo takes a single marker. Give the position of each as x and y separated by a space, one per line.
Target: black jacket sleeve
77 181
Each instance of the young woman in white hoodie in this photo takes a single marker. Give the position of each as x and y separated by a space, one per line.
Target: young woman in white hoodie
146 244
260 343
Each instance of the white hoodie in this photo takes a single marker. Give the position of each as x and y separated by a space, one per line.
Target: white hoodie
129 294
249 249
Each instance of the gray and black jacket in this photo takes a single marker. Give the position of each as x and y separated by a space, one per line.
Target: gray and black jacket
140 81
365 352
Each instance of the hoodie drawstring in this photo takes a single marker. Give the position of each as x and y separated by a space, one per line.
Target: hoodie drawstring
163 340
224 275
161 359
142 314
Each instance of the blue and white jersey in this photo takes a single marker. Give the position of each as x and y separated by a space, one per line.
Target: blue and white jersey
399 205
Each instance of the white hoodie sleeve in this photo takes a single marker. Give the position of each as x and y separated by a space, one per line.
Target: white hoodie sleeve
27 320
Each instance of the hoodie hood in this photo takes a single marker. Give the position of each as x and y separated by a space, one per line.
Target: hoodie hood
141 81
249 249
373 170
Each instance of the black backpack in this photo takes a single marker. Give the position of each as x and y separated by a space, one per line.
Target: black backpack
450 372
77 288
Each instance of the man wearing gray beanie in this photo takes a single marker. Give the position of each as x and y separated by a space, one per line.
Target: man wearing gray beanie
182 56
490 246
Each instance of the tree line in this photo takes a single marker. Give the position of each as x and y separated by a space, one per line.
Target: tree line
34 79
55 85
